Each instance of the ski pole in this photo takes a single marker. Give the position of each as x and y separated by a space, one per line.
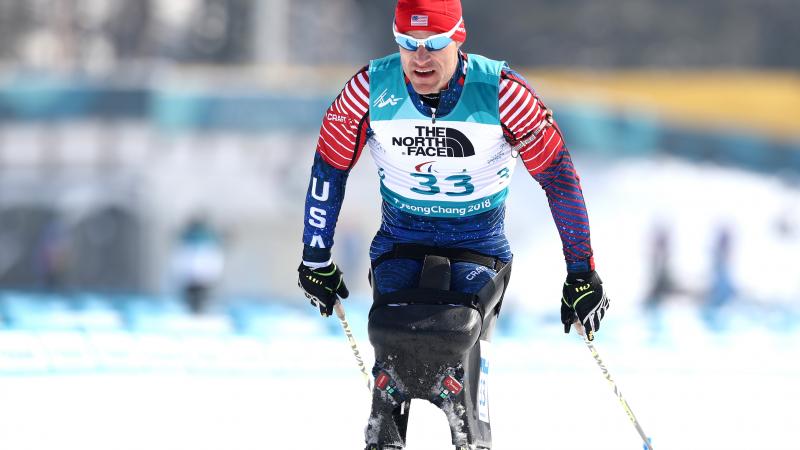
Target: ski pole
581 331
346 327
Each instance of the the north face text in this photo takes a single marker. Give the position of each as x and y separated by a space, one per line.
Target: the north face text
436 141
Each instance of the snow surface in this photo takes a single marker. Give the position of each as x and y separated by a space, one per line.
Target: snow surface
690 389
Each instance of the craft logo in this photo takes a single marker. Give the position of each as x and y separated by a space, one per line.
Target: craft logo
419 20
332 117
435 141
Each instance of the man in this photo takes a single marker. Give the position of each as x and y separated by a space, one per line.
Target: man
445 129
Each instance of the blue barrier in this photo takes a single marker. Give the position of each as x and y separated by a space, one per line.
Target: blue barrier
274 320
38 312
243 112
48 99
88 333
588 126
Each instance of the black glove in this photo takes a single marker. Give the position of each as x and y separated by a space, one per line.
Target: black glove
584 297
322 286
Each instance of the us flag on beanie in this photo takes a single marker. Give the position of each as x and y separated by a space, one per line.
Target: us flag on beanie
419 20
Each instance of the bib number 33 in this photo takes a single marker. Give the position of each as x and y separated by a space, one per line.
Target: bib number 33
429 185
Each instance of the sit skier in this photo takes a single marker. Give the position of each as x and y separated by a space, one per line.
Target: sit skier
446 130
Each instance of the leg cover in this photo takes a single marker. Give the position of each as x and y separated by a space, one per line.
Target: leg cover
433 352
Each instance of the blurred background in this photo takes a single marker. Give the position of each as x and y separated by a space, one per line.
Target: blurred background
154 159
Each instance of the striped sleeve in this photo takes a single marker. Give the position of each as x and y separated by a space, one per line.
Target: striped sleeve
341 138
344 128
529 127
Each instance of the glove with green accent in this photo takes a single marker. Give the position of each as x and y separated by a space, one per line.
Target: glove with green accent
323 286
584 299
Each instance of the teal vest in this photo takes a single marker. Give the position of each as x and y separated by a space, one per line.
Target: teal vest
478 102
460 165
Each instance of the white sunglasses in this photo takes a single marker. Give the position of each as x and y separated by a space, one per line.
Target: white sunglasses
432 43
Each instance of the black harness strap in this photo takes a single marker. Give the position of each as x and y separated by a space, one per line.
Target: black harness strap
425 296
419 251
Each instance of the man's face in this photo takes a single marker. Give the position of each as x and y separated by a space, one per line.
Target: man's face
429 71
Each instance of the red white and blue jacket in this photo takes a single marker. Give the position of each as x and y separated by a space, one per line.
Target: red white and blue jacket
528 126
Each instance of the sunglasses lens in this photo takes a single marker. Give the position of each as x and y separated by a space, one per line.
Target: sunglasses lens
412 45
437 43
406 43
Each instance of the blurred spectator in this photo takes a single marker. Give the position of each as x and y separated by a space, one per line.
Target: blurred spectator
662 282
52 257
722 288
198 263
128 28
